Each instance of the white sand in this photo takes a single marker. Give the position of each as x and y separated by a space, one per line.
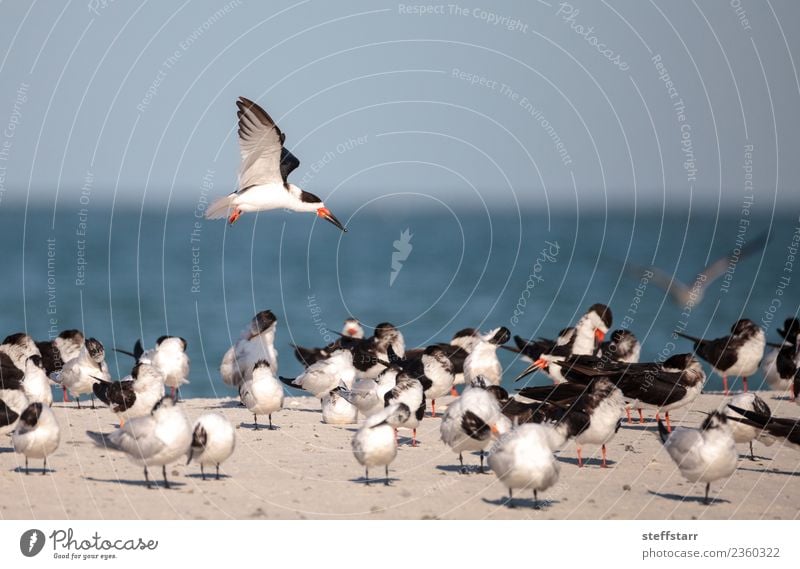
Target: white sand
306 469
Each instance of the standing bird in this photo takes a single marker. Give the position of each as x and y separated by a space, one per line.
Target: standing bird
157 439
781 364
37 435
61 349
213 441
788 430
325 375
370 354
256 343
375 444
19 347
336 409
409 391
307 356
262 394
12 395
705 454
432 368
743 432
366 395
264 171
36 383
523 459
464 424
134 396
482 360
79 375
736 355
169 357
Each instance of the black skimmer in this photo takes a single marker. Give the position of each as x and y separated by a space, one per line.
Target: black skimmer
352 329
468 423
457 351
36 384
169 357
37 435
79 375
264 172
262 394
523 459
158 439
61 349
589 333
409 391
666 386
743 432
375 444
787 430
683 294
256 343
736 355
12 394
213 441
325 375
371 354
532 350
781 364
623 346
590 414
432 368
705 454
482 361
134 396
19 347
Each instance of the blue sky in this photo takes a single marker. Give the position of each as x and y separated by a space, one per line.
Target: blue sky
536 104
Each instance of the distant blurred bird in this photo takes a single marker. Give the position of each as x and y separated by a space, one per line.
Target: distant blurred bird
213 441
37 435
264 170
785 429
257 342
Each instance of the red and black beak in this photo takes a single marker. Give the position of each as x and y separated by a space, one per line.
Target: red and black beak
326 214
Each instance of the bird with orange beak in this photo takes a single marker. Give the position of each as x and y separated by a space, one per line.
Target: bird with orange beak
264 171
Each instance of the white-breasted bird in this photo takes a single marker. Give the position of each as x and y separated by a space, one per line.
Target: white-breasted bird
326 375
257 342
367 394
705 454
36 383
409 391
743 432
135 395
12 395
264 172
158 439
169 357
375 444
213 441
336 410
482 360
37 434
262 394
19 347
79 375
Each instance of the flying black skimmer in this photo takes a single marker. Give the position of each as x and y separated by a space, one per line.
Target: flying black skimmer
169 357
61 349
133 396
409 391
264 172
744 432
325 375
213 441
683 294
483 361
262 394
470 421
590 414
79 375
736 355
666 386
705 454
37 435
780 365
256 343
158 439
36 384
374 444
336 409
785 429
587 337
523 458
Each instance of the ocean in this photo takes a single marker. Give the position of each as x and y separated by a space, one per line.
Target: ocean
120 274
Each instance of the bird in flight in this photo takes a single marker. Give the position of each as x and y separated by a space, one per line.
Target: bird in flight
264 172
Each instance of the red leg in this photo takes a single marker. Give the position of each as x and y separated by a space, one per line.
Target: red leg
641 417
669 427
657 417
744 384
725 384
234 216
603 449
172 393
66 395
580 458
628 413
453 391
414 439
433 407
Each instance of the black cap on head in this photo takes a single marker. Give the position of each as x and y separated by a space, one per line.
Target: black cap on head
502 336
743 325
383 329
464 333
604 312
30 416
263 320
261 363
791 327
678 361
714 421
95 348
18 338
73 334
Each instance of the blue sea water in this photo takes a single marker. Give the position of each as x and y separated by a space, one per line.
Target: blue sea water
123 274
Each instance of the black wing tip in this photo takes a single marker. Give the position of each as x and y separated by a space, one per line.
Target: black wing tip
662 431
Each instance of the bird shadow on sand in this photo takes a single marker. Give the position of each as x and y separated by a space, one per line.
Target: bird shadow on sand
528 503
380 481
468 469
771 471
140 483
230 404
4 450
210 476
33 470
591 461
697 499
261 427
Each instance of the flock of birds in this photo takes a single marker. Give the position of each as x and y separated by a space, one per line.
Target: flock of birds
381 385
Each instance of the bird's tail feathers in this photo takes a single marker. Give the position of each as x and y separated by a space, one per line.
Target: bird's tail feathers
220 208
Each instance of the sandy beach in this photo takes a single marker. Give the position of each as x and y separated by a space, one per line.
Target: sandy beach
305 470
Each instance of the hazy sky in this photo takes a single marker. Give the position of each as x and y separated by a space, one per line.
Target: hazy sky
629 102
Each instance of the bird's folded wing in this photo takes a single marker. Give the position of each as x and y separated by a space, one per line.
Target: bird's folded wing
138 438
